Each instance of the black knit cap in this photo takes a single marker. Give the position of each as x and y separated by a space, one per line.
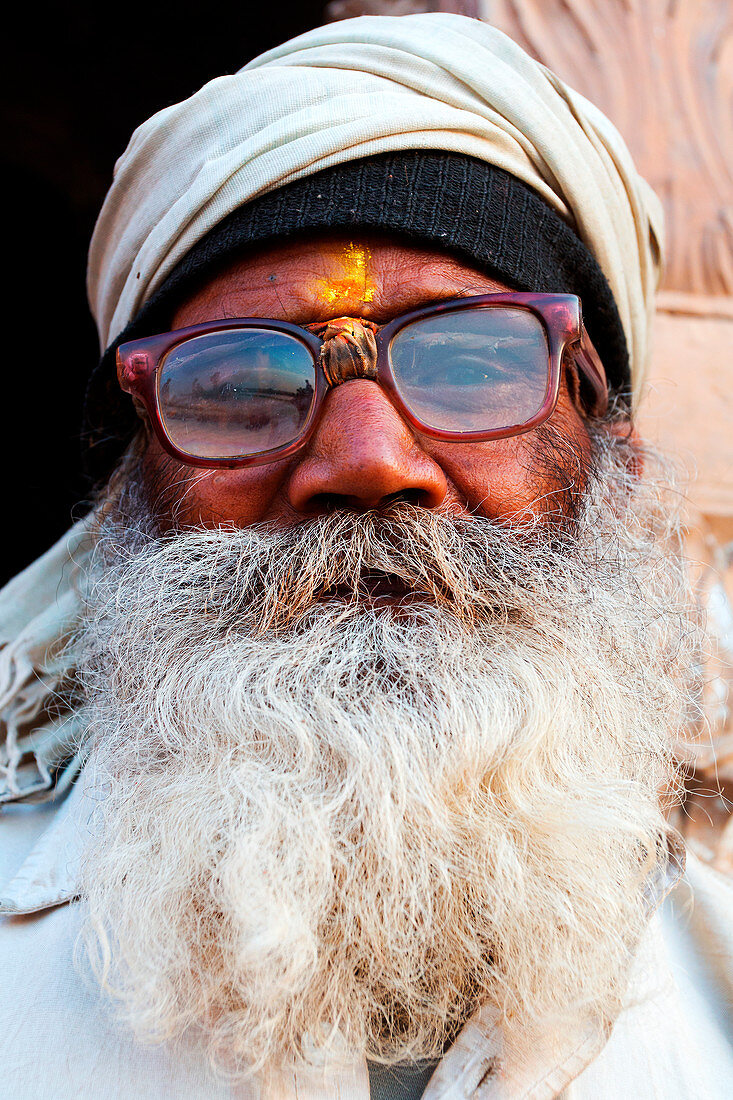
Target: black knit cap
471 209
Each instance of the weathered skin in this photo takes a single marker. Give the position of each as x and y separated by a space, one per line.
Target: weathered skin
362 451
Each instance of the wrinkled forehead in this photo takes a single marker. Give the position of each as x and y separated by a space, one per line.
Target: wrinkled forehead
324 275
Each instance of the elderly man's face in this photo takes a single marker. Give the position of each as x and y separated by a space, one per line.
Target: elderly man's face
363 453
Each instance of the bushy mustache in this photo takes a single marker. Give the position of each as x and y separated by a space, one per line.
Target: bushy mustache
478 570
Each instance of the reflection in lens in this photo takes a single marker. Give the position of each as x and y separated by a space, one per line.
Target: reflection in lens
473 370
237 392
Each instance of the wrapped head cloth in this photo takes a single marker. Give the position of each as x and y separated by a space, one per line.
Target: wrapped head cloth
356 89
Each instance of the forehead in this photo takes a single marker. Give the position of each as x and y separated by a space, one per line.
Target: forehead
323 276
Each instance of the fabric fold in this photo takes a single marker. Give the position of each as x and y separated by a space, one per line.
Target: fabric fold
40 750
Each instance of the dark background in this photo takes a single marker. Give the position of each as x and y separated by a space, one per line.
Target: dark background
77 81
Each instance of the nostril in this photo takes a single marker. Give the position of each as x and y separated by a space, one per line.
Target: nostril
327 502
418 497
320 503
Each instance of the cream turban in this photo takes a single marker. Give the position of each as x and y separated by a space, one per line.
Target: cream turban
354 89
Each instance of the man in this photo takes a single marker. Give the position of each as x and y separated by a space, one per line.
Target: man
376 645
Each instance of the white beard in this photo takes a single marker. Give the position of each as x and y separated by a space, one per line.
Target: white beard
329 818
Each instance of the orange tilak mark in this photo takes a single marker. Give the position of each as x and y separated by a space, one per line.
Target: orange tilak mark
353 283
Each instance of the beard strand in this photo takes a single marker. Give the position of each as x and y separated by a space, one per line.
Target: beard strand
345 824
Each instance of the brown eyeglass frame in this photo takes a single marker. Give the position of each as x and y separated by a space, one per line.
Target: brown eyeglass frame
138 362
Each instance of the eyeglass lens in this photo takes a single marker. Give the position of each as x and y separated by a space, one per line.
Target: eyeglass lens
241 392
472 370
237 392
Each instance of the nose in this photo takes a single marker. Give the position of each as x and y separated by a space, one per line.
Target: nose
363 455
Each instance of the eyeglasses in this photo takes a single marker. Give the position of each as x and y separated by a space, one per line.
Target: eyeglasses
248 391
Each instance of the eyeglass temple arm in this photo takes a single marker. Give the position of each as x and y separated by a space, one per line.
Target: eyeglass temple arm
587 360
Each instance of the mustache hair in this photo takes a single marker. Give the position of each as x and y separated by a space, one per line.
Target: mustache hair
453 564
328 816
344 554
479 570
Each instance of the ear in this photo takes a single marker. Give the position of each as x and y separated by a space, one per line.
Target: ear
142 413
625 431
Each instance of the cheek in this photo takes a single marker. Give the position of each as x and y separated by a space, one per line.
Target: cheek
495 479
186 496
540 472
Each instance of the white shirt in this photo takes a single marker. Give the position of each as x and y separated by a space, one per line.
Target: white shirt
59 1039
